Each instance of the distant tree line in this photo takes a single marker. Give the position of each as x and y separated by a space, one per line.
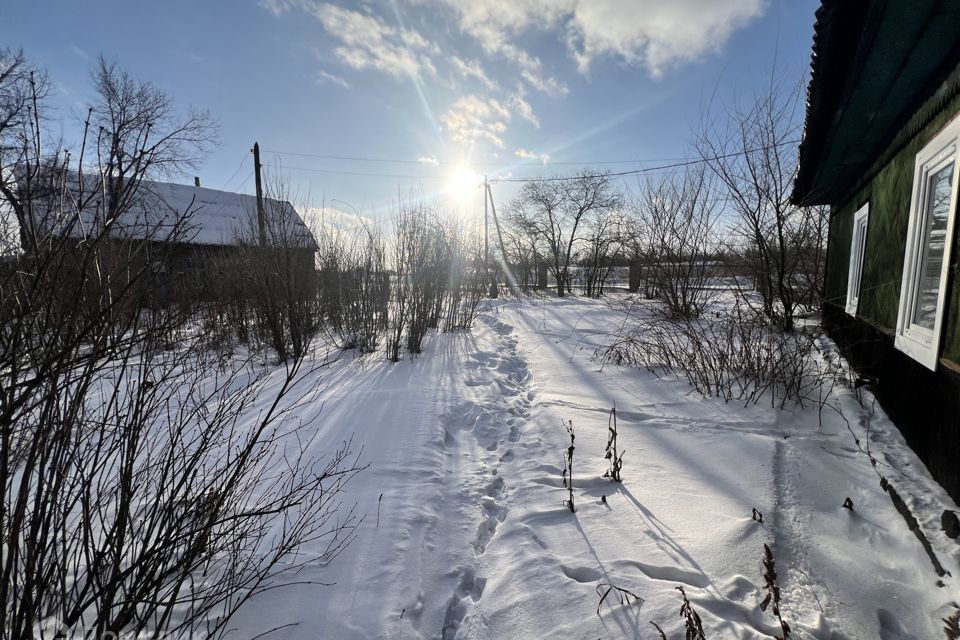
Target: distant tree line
722 219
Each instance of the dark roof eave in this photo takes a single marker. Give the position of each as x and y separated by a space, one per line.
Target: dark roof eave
881 71
947 91
831 32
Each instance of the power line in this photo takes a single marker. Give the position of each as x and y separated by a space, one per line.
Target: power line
450 163
355 158
649 169
366 174
640 171
239 167
363 174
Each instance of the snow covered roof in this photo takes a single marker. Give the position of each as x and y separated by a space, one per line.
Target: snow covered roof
165 211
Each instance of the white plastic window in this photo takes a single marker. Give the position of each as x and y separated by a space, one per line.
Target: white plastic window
927 257
857 247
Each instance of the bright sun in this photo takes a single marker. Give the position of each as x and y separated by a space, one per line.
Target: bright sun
463 185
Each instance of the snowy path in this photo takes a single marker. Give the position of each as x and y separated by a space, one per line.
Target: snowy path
473 541
494 419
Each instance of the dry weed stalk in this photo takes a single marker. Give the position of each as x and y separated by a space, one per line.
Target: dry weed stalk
626 596
615 458
568 467
773 591
691 619
952 626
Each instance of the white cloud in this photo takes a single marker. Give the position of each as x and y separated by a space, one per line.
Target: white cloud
428 160
530 155
367 42
473 118
324 77
330 220
522 108
493 22
657 35
276 7
473 69
654 34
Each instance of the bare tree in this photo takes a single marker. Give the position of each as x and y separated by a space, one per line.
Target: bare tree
753 153
812 257
602 248
136 494
523 255
552 210
23 89
677 214
139 132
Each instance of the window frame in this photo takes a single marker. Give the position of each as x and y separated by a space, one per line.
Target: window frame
858 245
918 342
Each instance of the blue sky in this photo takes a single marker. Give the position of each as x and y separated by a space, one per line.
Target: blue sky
505 87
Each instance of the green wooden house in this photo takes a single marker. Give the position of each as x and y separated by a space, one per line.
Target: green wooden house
881 147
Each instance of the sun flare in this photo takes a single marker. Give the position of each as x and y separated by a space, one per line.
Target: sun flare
463 185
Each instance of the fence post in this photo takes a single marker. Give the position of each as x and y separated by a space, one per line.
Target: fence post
634 283
541 276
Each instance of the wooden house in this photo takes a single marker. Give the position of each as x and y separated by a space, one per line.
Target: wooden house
193 237
881 147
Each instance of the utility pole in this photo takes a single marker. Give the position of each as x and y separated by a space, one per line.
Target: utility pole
261 216
491 273
503 250
486 225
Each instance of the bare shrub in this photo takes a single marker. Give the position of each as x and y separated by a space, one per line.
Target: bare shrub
428 265
138 495
439 276
410 231
274 269
734 357
466 284
354 288
166 515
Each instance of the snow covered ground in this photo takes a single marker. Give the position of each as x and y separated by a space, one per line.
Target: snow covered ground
466 536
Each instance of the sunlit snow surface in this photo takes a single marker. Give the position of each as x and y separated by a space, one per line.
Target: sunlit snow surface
465 444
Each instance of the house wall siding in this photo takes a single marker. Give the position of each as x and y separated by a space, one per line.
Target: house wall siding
925 405
889 195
